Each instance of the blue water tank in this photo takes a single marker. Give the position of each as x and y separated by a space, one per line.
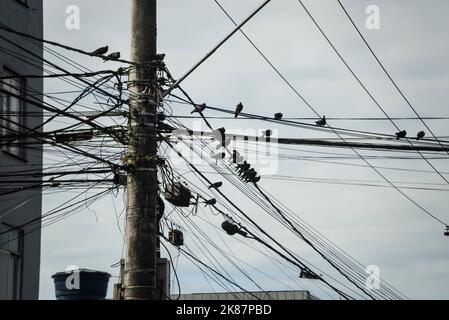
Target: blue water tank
83 284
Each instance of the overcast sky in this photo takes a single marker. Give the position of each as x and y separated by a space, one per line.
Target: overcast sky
377 226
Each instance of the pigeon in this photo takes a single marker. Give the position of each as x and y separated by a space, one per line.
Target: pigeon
250 175
233 229
159 57
216 185
243 166
199 109
268 133
100 51
238 110
278 116
222 130
112 57
421 135
322 122
255 180
401 134
210 202
247 174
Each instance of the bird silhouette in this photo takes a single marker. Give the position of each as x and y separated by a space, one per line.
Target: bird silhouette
232 229
401 134
268 133
112 57
243 166
420 135
216 185
278 116
159 57
222 130
199 109
238 110
322 122
210 202
255 179
248 174
100 51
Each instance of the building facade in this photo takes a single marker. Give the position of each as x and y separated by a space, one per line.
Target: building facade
20 201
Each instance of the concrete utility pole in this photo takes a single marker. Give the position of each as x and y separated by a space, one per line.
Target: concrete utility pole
141 220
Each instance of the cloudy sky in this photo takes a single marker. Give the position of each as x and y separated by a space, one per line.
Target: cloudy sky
377 226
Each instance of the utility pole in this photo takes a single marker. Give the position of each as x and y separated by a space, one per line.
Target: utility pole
141 236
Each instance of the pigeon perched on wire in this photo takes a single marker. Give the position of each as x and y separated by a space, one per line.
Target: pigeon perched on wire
222 130
278 116
401 134
211 202
254 180
199 109
268 133
216 185
243 166
112 57
420 135
100 51
248 173
322 122
232 229
238 110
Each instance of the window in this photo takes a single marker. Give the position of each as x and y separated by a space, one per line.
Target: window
12 111
11 244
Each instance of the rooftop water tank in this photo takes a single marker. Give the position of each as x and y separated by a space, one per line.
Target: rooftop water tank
82 284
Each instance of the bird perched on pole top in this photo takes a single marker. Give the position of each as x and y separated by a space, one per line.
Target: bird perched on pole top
322 122
278 116
159 57
420 135
199 109
100 51
238 110
401 134
216 185
112 57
